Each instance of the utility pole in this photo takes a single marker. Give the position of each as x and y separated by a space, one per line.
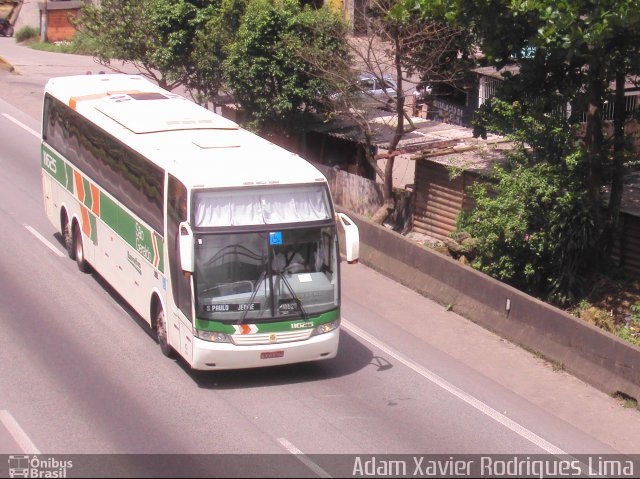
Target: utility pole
43 22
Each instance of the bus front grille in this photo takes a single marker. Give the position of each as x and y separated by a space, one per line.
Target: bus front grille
270 338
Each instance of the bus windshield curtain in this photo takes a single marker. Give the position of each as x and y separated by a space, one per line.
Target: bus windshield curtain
261 206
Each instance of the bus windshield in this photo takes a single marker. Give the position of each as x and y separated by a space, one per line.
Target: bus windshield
261 206
266 275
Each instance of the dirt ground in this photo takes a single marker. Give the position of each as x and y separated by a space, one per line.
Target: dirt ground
613 306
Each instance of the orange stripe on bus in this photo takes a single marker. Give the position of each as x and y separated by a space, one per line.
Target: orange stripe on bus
156 255
86 223
79 185
73 101
95 200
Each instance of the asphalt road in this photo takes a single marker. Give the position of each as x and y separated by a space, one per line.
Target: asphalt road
81 374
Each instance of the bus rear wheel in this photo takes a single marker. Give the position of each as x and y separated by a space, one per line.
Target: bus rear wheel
161 333
78 250
67 235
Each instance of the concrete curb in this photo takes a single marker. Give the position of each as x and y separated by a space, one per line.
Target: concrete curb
5 65
591 354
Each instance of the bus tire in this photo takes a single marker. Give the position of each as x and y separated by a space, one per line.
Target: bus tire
67 235
161 333
78 250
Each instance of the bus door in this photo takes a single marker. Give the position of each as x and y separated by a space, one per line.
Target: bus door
180 315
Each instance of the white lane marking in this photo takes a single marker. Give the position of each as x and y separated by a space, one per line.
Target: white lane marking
303 458
22 125
44 240
447 386
17 433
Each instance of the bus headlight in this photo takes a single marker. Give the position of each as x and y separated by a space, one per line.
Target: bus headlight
326 327
213 336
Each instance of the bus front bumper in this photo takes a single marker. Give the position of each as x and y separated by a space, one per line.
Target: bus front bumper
218 356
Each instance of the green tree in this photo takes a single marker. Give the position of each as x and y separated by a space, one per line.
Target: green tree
155 36
532 221
266 69
567 52
212 43
427 46
575 49
401 46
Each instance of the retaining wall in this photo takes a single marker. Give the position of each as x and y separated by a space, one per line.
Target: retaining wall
593 355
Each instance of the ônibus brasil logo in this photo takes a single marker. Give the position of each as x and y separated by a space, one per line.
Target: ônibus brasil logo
33 466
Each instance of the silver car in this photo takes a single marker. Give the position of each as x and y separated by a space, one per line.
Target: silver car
377 91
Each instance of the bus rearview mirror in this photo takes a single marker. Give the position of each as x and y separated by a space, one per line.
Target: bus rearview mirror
187 253
351 237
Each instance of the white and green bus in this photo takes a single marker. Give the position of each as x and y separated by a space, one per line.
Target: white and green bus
225 243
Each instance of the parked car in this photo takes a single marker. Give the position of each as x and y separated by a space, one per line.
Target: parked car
371 91
377 91
6 29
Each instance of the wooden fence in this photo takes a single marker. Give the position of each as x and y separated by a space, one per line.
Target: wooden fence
353 192
439 198
626 250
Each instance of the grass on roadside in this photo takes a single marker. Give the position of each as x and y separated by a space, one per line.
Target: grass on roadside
626 400
26 33
612 305
80 45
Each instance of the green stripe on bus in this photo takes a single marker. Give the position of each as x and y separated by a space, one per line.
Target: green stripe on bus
54 165
69 178
204 325
94 231
112 214
57 168
109 211
88 199
160 248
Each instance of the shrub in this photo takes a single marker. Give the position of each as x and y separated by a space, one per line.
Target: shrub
533 230
26 33
83 44
534 222
630 331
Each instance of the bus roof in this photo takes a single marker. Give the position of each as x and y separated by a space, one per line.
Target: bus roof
197 146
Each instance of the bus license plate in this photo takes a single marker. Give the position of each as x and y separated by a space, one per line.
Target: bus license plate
272 354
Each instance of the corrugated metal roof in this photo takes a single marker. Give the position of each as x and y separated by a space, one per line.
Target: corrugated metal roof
479 157
442 143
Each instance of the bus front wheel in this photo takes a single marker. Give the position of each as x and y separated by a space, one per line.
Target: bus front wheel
78 250
161 333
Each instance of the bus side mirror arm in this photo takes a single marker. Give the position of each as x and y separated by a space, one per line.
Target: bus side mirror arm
351 237
187 253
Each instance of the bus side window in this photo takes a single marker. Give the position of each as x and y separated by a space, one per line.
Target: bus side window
176 213
45 116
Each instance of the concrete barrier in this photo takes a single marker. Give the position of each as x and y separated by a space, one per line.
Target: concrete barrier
595 356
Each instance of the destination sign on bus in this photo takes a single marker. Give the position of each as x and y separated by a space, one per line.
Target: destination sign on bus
229 307
287 306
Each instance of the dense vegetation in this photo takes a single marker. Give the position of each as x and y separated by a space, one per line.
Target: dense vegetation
572 53
546 220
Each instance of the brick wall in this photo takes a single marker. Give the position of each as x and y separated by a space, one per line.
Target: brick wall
59 27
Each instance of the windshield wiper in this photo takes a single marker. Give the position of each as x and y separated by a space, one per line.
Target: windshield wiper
298 301
261 278
281 275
